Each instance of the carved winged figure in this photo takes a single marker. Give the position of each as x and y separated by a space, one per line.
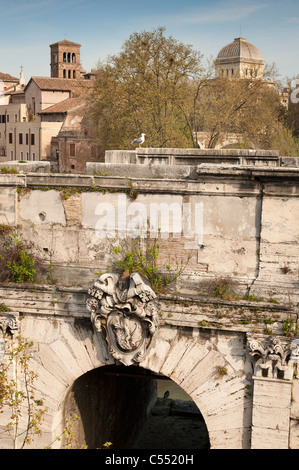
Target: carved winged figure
126 312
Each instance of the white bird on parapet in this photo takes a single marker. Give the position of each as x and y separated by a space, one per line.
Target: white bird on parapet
138 141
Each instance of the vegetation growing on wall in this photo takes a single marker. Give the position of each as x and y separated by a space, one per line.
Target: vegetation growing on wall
5 169
134 256
17 264
18 393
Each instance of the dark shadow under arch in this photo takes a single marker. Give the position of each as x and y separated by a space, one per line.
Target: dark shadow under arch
126 406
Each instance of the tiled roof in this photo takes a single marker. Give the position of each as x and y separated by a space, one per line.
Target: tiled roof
5 77
76 86
63 106
65 42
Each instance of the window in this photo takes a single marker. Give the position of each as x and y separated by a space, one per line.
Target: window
33 156
64 57
21 139
21 156
10 138
11 155
7 118
32 139
27 156
64 74
16 118
72 150
69 74
73 58
27 139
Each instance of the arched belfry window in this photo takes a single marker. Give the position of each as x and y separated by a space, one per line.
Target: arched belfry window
64 73
69 57
64 57
73 58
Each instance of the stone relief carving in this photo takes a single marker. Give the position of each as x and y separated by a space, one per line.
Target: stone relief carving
295 351
125 311
271 358
8 324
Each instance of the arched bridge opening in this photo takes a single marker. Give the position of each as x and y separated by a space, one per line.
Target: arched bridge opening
133 408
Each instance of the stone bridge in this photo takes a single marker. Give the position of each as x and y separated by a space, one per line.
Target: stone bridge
102 340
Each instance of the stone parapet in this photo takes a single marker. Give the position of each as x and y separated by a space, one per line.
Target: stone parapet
193 156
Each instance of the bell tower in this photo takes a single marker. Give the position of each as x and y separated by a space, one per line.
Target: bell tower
65 59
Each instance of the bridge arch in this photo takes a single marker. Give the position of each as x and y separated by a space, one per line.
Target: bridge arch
209 365
123 405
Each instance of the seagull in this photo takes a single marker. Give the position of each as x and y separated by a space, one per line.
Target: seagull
138 141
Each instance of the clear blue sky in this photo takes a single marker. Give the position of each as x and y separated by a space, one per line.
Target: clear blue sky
28 27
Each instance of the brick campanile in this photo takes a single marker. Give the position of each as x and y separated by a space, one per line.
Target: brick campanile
65 59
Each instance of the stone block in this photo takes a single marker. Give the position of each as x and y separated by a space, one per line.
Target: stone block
32 167
280 220
65 246
42 207
271 413
262 438
8 206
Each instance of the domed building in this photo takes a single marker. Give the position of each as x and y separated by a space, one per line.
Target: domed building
240 59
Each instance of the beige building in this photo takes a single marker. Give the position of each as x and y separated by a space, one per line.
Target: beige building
24 133
26 130
9 85
240 59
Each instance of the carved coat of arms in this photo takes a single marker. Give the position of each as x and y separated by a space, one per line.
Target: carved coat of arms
125 311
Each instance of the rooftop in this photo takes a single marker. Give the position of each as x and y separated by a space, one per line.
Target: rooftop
240 49
64 106
5 77
65 42
76 86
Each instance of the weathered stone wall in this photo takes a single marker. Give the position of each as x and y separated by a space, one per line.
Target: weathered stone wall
204 344
249 223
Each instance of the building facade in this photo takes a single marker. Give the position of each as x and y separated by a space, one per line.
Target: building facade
65 59
26 127
240 59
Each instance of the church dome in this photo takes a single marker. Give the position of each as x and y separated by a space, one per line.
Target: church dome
238 50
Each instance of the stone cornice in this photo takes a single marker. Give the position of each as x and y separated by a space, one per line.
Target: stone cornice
205 313
236 180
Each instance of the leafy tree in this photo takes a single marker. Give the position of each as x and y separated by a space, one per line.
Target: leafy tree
248 107
143 89
18 393
162 87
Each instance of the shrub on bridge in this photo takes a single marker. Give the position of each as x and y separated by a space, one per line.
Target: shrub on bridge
16 263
